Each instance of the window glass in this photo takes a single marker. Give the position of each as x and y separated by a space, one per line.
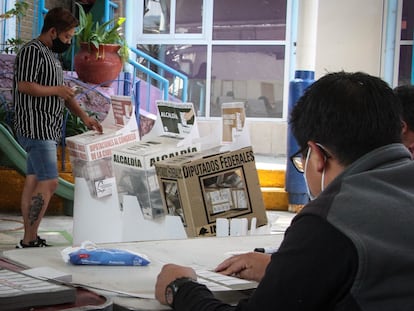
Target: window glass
188 16
191 60
249 20
239 69
406 46
250 74
407 21
404 73
156 16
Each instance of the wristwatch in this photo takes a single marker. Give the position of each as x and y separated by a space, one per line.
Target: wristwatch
172 289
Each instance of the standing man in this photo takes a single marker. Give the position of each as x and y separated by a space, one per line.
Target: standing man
351 246
406 95
40 97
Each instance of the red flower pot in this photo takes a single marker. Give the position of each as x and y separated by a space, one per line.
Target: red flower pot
98 67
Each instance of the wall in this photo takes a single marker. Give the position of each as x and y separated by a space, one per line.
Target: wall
267 137
349 36
26 31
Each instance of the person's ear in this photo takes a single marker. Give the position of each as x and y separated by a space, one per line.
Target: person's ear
53 32
319 157
404 127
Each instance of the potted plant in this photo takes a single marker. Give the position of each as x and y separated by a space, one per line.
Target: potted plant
103 49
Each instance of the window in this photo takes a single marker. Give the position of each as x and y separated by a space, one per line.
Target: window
156 16
7 27
406 43
160 18
252 74
249 20
230 50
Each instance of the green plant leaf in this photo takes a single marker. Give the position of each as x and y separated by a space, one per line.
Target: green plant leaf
95 33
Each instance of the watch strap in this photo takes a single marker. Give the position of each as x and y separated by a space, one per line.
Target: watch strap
173 288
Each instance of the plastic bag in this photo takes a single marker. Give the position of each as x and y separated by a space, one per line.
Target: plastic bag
89 254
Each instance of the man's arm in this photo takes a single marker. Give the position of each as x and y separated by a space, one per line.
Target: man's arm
313 270
38 90
76 109
249 266
65 92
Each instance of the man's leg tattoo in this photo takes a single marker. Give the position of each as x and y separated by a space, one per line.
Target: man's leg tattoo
35 208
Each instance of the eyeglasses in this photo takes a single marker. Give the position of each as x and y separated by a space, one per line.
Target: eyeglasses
297 157
296 160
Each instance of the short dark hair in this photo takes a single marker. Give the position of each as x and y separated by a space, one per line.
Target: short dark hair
405 94
60 18
349 113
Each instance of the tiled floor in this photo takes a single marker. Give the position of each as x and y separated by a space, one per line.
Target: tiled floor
57 230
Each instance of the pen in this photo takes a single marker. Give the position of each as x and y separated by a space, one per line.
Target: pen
266 250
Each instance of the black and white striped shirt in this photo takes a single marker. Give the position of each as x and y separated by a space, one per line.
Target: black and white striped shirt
38 117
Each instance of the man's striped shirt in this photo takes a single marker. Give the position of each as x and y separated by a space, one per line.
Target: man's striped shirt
38 117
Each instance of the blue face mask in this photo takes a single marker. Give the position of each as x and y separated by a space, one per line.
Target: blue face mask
311 196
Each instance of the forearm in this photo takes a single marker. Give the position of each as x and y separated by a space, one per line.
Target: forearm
314 267
76 109
37 90
193 296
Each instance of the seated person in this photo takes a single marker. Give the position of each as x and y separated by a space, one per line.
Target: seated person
350 247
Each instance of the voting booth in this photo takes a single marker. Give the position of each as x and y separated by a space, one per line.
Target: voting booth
104 212
124 187
174 133
90 154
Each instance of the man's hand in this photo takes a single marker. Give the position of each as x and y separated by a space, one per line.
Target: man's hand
93 124
90 122
249 266
65 92
169 273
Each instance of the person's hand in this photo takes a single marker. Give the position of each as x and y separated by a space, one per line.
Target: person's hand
188 115
93 124
249 266
65 92
169 273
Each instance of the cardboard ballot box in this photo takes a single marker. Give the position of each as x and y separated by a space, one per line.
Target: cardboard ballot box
134 170
91 145
201 187
91 152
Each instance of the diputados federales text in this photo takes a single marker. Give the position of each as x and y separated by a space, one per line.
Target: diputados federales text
207 167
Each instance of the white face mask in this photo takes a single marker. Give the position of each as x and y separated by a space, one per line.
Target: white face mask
311 196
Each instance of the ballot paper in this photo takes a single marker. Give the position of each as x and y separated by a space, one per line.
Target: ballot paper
217 282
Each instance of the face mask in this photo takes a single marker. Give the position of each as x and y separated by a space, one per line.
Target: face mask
58 46
311 196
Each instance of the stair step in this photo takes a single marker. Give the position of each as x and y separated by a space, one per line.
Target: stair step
275 198
271 177
272 183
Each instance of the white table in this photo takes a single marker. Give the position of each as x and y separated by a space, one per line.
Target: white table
204 253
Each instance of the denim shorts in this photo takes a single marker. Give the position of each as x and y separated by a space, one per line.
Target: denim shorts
41 157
